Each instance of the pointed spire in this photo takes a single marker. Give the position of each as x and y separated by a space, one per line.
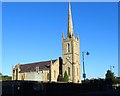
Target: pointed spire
62 35
70 24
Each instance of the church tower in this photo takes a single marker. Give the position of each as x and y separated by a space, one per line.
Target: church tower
71 52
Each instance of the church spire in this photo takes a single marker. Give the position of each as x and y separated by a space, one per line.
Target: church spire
70 25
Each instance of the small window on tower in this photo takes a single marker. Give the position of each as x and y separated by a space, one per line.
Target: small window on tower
77 72
69 71
68 47
54 74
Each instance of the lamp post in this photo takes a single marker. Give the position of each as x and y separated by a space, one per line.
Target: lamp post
84 74
111 68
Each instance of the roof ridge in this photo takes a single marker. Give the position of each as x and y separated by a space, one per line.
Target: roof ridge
38 62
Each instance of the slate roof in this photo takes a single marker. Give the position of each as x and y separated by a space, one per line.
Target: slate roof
31 67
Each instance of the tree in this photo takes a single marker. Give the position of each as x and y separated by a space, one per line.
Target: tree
110 75
0 76
110 78
5 77
0 73
66 78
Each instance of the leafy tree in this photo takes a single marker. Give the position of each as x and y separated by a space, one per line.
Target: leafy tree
0 73
110 78
66 78
110 75
0 76
5 77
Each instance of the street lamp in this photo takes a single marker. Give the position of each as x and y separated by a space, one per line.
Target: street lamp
84 75
111 68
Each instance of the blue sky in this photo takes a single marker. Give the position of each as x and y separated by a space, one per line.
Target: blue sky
31 32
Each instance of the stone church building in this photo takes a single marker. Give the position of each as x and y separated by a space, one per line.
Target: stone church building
50 71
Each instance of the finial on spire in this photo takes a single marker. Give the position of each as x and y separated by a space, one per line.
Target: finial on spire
70 24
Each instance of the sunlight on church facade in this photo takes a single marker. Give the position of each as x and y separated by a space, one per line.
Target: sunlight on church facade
53 70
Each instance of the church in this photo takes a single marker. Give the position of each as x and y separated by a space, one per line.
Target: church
51 70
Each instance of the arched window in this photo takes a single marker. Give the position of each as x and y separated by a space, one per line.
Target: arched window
54 74
77 72
22 78
69 71
68 47
48 76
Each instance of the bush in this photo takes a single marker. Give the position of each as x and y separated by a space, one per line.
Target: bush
66 78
